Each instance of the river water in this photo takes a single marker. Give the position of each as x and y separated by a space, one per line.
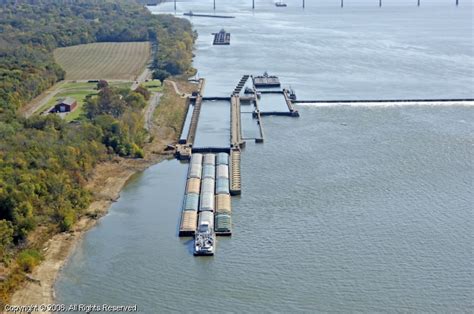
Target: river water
348 208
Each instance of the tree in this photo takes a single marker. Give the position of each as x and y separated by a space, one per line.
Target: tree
161 75
102 84
6 236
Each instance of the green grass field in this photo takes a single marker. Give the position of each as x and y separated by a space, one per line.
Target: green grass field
78 91
153 85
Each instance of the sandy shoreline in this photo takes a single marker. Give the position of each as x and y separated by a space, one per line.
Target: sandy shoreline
111 177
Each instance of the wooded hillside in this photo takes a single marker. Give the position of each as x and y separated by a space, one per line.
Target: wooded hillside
44 161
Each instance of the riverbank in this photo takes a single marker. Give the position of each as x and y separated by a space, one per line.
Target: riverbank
108 180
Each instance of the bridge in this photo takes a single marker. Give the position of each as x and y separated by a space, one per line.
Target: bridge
303 3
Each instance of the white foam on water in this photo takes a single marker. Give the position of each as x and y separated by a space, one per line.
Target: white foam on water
390 104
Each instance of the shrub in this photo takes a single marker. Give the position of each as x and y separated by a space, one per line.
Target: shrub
137 151
28 259
144 92
67 220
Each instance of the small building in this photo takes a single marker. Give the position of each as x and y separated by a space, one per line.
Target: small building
65 105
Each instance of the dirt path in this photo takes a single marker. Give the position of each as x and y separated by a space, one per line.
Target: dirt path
29 109
176 88
146 74
153 102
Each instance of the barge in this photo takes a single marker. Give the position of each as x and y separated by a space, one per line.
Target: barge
214 174
266 80
221 38
280 4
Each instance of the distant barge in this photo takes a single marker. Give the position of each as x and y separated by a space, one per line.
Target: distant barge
280 4
266 81
190 13
221 38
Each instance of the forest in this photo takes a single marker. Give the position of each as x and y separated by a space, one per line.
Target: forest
44 161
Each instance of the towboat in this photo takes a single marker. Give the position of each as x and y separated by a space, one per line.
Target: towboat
292 94
204 240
